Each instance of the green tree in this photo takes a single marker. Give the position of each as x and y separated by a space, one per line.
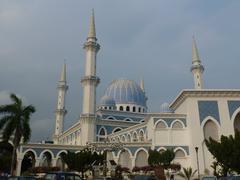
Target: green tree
82 160
14 123
187 173
226 152
160 158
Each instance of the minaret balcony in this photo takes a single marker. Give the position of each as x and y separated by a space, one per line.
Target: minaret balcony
91 45
197 66
61 111
90 79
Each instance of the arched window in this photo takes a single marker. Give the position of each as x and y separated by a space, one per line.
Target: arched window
161 125
128 138
121 108
134 137
123 139
210 130
141 136
177 125
139 109
141 159
116 130
237 122
102 134
127 108
134 109
179 154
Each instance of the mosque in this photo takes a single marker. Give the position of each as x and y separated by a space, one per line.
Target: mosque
122 117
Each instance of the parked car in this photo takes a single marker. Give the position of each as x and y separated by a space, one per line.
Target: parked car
208 178
21 178
61 176
144 178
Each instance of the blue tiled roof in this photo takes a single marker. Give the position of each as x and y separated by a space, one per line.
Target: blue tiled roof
126 92
108 101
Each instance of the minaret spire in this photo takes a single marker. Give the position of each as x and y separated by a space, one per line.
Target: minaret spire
196 68
195 55
63 73
60 110
92 30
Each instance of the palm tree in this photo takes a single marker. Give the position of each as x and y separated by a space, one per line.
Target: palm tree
187 173
14 124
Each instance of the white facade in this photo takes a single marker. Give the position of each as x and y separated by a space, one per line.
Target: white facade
122 116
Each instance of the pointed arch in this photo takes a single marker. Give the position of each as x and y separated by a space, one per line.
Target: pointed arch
161 124
128 137
30 150
177 124
161 149
124 159
46 157
116 129
111 118
236 121
102 133
60 152
123 139
134 136
141 157
180 152
128 119
46 150
141 135
210 128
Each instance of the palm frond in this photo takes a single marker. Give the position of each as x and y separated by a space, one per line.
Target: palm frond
9 108
8 130
26 132
15 99
4 120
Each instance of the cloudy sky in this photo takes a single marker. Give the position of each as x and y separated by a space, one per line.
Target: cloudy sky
139 38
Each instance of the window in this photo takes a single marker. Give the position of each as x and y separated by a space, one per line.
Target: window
134 109
177 125
160 125
116 130
127 108
139 109
121 108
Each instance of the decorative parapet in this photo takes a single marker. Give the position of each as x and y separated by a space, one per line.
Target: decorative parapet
199 93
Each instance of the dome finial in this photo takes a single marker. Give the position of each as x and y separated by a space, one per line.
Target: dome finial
92 30
142 84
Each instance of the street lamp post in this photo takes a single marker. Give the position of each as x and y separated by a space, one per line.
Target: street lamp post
196 149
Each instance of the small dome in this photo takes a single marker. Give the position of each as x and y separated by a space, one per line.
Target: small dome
125 91
107 101
165 108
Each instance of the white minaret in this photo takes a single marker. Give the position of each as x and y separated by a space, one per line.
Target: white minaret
89 83
196 68
60 111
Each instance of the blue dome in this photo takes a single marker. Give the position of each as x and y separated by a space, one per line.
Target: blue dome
165 108
107 101
126 92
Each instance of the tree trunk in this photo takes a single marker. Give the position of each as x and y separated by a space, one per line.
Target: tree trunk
16 140
13 160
